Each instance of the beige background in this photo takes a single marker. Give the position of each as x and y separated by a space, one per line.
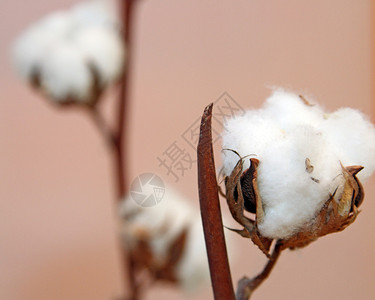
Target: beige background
57 229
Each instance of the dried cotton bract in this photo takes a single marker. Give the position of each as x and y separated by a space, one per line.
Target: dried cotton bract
297 168
167 240
72 55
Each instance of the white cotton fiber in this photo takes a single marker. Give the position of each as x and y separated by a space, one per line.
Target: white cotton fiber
234 139
353 134
99 13
289 193
291 111
300 149
64 75
102 48
91 30
57 24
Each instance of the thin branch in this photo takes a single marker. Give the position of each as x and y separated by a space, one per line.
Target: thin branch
100 123
127 12
211 214
120 151
247 286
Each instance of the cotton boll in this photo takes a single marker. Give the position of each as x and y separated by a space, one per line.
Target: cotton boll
162 224
89 29
65 75
351 132
302 152
104 49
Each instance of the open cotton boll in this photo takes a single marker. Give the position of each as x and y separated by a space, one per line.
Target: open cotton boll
162 222
161 225
351 132
92 30
64 75
305 158
103 48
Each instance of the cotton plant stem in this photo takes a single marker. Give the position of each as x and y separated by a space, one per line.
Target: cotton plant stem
122 128
100 123
247 286
211 214
127 12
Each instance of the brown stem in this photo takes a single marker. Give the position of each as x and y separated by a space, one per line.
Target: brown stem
102 126
127 12
120 150
247 286
211 215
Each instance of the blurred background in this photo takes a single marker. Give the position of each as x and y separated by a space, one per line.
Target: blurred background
57 215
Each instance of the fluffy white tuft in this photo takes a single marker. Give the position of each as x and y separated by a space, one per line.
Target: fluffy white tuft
91 30
163 223
104 50
283 135
96 13
64 75
352 134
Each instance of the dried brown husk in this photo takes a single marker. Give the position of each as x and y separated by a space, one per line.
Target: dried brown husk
334 216
161 269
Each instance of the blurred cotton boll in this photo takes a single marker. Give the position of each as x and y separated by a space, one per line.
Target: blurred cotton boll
72 55
170 234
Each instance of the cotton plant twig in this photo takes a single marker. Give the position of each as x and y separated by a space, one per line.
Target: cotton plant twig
211 215
120 151
127 13
102 126
247 286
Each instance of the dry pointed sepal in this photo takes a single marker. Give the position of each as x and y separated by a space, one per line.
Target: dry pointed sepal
236 204
157 268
